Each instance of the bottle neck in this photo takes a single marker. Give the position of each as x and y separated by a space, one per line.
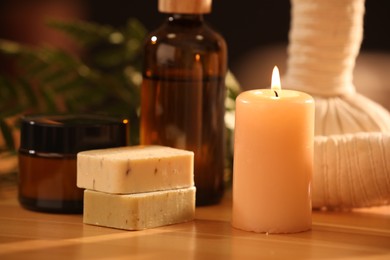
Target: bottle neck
185 18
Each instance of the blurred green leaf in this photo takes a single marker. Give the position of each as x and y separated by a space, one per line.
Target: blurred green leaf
52 80
7 134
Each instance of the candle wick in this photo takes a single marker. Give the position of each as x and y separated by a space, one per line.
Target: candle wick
276 93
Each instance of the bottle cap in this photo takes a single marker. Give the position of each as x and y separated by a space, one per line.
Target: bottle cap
184 6
70 134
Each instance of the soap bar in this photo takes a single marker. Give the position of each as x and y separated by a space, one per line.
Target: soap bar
139 211
135 169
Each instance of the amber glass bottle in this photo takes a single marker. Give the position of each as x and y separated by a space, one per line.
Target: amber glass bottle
183 92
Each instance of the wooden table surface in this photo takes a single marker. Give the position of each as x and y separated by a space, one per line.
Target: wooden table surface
360 234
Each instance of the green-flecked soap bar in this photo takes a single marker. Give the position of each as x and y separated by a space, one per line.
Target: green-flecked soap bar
139 211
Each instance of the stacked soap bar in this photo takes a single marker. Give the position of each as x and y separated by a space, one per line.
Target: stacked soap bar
137 187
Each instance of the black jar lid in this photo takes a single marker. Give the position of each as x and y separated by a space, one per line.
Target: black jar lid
70 134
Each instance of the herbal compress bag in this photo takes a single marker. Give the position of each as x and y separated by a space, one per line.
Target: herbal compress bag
352 143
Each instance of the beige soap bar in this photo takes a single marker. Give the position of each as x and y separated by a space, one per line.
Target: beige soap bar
135 169
139 211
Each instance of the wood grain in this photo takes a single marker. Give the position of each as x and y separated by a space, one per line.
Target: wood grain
343 235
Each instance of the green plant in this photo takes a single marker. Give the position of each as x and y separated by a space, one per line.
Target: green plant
105 78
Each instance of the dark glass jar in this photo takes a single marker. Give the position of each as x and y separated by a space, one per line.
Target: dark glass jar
183 92
48 153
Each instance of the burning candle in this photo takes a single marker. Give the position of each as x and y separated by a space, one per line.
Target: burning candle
273 160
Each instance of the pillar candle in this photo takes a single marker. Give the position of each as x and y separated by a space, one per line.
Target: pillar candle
273 160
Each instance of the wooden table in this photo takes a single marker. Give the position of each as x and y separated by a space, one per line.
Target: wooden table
343 235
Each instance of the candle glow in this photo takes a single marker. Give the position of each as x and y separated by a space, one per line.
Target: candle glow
275 82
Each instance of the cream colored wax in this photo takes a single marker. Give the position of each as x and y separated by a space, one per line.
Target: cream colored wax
273 161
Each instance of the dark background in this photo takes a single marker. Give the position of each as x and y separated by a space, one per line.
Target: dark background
256 32
246 24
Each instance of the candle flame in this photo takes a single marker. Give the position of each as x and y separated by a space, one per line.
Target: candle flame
275 83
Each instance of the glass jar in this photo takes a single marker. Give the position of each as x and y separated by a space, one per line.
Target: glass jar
48 153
